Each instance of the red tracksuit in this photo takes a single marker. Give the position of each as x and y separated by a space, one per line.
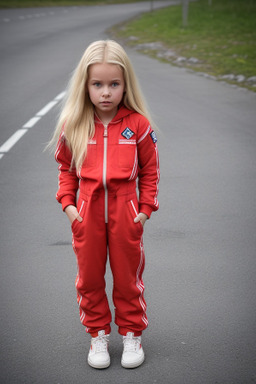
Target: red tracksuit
117 156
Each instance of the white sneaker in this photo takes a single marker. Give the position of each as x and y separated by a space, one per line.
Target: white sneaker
98 356
133 354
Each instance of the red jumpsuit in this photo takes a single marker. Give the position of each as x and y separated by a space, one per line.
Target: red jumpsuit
117 156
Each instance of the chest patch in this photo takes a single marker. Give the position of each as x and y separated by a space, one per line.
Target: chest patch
153 137
127 133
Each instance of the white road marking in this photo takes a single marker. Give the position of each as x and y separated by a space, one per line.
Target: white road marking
47 108
12 140
29 124
60 96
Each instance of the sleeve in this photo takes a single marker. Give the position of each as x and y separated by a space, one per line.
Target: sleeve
68 180
149 171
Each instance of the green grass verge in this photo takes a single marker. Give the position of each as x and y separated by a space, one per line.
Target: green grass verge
222 36
58 3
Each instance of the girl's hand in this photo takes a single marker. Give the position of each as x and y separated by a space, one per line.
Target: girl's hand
72 213
142 217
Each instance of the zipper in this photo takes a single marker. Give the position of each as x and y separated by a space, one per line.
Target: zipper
105 136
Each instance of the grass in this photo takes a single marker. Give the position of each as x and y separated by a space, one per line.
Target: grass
58 3
222 36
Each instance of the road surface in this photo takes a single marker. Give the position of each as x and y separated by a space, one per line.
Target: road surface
200 246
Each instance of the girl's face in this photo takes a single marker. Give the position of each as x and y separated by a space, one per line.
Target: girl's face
106 87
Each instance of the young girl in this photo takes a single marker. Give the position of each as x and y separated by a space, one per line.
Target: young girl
105 144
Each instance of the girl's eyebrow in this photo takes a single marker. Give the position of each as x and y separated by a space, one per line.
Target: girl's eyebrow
95 79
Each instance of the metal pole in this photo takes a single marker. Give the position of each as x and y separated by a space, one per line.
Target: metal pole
185 13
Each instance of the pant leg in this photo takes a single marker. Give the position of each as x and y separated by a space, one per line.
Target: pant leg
90 246
127 261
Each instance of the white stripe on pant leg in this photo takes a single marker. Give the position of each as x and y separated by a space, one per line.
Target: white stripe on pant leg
142 304
82 313
156 203
80 210
145 321
133 206
139 284
82 316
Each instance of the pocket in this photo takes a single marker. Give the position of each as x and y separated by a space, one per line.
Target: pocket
133 208
91 155
127 153
81 210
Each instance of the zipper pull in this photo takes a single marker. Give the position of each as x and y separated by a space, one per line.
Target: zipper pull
105 134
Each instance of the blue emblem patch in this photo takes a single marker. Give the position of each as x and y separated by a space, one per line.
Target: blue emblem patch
127 133
153 137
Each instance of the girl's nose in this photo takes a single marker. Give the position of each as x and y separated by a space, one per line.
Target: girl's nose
106 91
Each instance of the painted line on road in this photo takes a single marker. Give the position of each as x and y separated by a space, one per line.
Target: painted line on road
12 140
29 124
47 108
60 96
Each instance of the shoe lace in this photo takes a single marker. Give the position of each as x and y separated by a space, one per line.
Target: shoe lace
131 343
101 343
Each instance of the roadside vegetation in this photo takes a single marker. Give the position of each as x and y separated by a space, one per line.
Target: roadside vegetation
219 40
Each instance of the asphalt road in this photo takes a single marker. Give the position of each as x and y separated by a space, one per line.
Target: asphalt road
200 246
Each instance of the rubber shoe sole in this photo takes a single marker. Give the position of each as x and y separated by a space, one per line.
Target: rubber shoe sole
135 364
99 366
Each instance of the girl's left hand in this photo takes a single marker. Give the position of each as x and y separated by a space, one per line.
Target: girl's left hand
142 217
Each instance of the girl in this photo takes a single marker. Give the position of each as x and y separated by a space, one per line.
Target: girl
106 143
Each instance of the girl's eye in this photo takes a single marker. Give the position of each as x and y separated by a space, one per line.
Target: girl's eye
97 84
114 85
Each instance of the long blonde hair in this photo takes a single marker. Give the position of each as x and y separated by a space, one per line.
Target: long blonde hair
77 116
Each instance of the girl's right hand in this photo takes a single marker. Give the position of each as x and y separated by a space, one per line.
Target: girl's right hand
72 214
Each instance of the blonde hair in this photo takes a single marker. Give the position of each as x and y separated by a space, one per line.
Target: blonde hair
77 116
